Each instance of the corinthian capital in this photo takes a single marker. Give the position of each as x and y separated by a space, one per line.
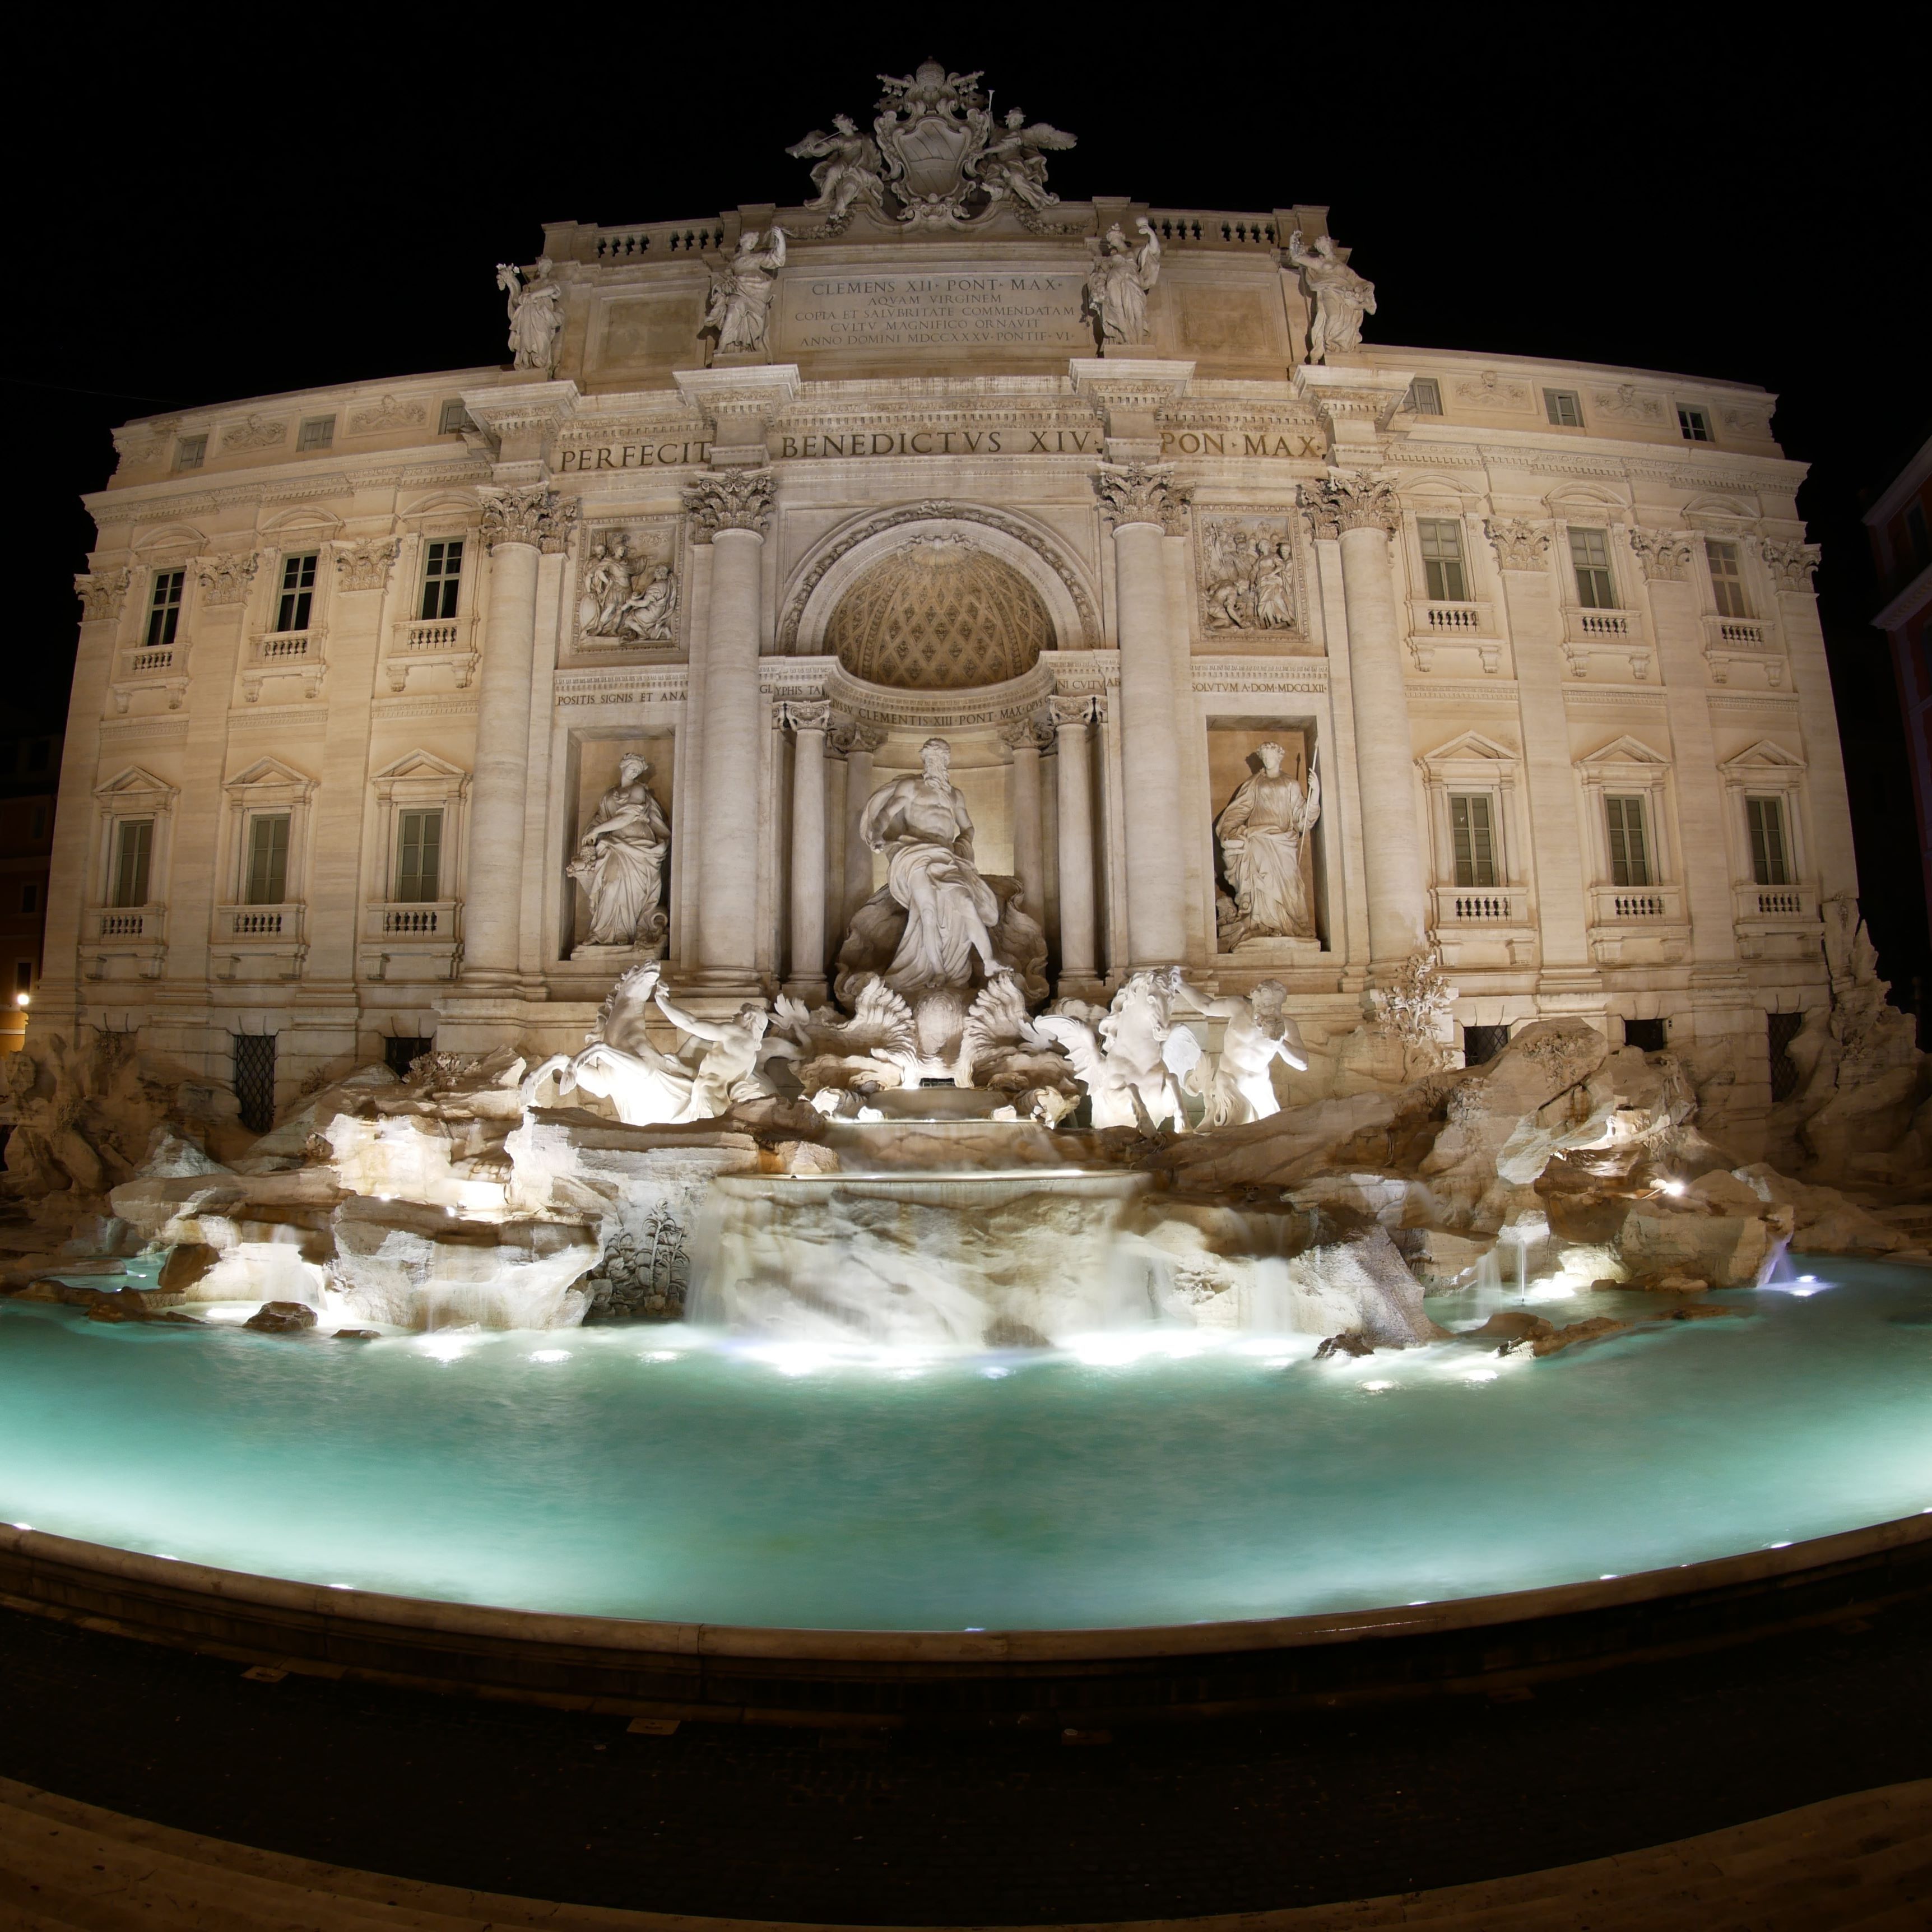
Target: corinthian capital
1027 734
1663 555
365 565
1350 500
1072 711
808 714
1520 543
225 578
854 734
729 499
1140 493
1790 564
101 593
537 516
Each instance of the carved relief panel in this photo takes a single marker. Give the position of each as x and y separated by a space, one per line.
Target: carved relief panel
1245 566
628 593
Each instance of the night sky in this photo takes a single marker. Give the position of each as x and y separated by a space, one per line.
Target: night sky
204 212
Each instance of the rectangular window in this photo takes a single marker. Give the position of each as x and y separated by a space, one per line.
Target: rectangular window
1472 827
442 578
316 433
1630 854
255 1080
455 418
268 881
297 597
1564 407
419 855
133 845
1425 396
1917 534
23 976
30 896
164 608
191 451
1694 423
1590 552
1781 1029
401 1051
1726 577
1481 1044
1648 1036
1441 538
38 822
1771 859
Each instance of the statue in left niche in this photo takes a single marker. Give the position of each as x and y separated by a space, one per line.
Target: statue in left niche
739 310
1263 831
620 862
535 304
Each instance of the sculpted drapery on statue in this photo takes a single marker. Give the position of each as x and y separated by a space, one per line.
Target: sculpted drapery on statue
848 171
536 308
1342 298
620 861
1264 834
739 307
1118 279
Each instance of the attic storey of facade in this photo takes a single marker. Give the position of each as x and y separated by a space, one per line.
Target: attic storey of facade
1115 499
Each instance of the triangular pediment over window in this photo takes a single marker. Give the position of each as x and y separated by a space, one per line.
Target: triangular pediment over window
1764 756
1624 751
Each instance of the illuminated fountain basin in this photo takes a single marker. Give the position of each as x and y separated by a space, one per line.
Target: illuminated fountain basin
1151 1477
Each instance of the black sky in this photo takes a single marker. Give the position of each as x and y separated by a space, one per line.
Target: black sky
209 207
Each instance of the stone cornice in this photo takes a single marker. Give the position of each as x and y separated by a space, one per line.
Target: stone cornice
522 412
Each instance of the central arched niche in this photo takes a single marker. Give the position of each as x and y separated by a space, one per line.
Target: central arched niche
939 613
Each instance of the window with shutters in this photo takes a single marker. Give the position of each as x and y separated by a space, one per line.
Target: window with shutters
1564 407
134 849
419 856
316 433
1441 541
298 597
1630 851
268 877
455 419
164 609
1425 396
191 451
1771 857
442 578
1472 833
1590 556
1727 579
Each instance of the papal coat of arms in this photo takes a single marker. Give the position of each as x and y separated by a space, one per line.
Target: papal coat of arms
936 156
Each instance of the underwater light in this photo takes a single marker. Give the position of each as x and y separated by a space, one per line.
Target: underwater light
1480 1375
551 1355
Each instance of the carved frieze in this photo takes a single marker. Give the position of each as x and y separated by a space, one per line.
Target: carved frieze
225 578
729 499
1629 402
1520 543
1246 573
538 517
1489 391
365 565
254 434
627 586
389 413
1141 493
1663 555
1351 499
102 593
1791 564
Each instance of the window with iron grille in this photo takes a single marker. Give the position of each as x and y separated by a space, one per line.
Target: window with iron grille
297 597
1481 1044
400 1050
1781 1029
1564 407
164 608
1425 396
316 433
419 855
191 451
1694 423
134 846
1630 851
442 578
255 1079
1472 828
268 881
1590 555
1727 578
1650 1036
1770 860
1441 540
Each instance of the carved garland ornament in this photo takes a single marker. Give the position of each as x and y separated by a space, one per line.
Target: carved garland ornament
538 517
225 579
1664 555
936 510
1520 543
1791 564
1140 493
101 593
1351 499
729 499
365 566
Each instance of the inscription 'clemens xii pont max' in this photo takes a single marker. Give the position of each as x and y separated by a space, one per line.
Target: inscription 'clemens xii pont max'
992 308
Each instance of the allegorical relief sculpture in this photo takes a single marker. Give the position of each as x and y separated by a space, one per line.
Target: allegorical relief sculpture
739 310
936 156
620 862
1263 832
1118 278
1247 574
536 307
1341 297
627 597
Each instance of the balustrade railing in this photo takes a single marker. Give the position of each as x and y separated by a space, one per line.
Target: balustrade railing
1481 905
431 634
411 919
144 662
1212 228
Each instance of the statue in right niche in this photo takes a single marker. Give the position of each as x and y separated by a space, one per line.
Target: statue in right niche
1264 836
620 861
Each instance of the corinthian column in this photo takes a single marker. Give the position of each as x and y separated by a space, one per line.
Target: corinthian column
1026 740
517 524
858 742
1357 511
808 722
1142 504
730 511
1071 717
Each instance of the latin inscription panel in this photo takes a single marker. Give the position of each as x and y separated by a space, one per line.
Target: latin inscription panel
978 308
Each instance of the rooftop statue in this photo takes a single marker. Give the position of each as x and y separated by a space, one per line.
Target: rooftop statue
1117 282
536 315
1342 297
848 174
741 293
1011 164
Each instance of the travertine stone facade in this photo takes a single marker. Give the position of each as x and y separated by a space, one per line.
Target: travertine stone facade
1545 629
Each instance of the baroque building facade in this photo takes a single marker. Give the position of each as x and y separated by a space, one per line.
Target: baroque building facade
1107 496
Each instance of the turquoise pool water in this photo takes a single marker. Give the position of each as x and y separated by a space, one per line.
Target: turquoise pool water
1154 1476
